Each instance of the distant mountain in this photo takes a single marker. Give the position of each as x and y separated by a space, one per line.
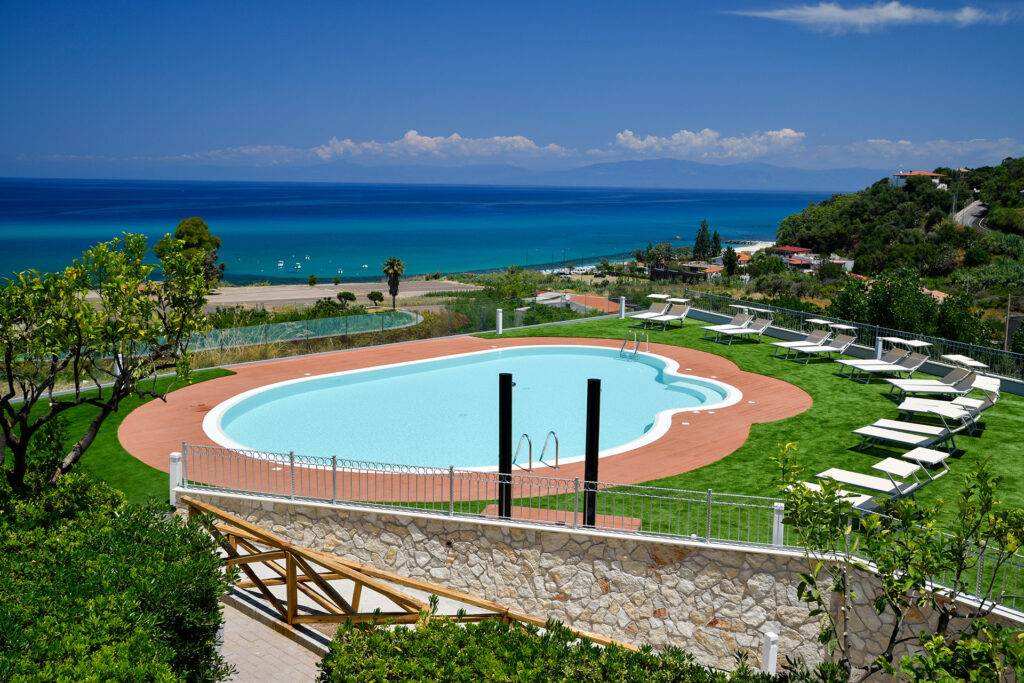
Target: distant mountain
675 173
652 173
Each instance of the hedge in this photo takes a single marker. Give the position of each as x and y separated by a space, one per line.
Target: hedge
94 589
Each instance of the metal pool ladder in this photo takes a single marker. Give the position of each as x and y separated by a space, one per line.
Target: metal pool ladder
548 438
637 337
529 443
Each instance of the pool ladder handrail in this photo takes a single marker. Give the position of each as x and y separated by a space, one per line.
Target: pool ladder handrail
545 448
529 443
638 336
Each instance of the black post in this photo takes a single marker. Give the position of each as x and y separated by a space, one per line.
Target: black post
505 445
590 465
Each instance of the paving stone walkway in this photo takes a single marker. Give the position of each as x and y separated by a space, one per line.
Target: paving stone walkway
260 653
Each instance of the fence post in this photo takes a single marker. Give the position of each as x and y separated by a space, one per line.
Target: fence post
499 314
291 460
981 574
778 529
878 347
334 479
769 653
451 490
175 477
622 308
575 502
184 462
707 520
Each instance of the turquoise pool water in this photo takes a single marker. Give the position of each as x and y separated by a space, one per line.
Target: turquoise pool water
444 411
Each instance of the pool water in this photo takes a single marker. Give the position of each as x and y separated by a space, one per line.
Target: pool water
444 411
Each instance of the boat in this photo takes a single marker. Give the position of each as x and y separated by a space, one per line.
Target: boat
365 266
280 264
340 271
307 257
298 266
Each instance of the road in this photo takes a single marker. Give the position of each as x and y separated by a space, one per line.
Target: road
973 215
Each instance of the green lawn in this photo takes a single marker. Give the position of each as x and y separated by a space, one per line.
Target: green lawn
107 460
823 431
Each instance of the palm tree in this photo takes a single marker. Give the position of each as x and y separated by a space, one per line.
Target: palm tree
394 269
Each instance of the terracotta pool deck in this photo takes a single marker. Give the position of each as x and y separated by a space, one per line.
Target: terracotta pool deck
695 439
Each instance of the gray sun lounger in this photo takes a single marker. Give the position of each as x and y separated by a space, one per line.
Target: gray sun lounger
676 313
838 346
857 501
657 308
738 322
894 361
815 338
957 381
756 328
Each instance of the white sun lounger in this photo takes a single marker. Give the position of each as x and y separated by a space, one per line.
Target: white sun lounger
814 338
886 486
871 435
676 313
738 322
957 381
945 411
928 457
857 501
756 328
657 308
942 432
838 346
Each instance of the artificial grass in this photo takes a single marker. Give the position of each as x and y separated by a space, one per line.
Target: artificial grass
823 432
108 461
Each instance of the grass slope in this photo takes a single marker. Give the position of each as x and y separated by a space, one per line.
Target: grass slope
823 431
108 461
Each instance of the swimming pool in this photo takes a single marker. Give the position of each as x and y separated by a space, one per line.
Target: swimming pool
444 412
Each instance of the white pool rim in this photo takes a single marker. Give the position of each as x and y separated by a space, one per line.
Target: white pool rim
662 420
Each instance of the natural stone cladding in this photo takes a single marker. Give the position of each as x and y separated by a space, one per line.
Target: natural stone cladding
710 600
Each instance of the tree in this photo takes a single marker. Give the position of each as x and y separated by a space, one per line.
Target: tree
196 235
336 280
312 280
375 298
345 298
730 261
917 569
393 269
702 244
851 302
716 245
897 300
958 320
50 332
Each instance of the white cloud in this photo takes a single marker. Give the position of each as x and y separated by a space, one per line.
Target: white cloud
707 144
831 16
882 152
412 144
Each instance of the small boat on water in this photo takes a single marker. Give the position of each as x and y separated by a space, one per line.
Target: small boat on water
307 257
365 266
280 264
298 266
340 271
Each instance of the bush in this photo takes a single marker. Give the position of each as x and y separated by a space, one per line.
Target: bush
92 588
443 650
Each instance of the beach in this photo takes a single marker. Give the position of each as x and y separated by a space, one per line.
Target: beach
276 296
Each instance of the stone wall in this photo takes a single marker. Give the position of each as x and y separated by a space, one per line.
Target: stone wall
711 600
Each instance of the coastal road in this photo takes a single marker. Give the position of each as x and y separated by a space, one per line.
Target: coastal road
973 215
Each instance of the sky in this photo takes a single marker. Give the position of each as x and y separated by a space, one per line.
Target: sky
144 89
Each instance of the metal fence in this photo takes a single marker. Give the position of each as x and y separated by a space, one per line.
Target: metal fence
1003 363
537 498
707 516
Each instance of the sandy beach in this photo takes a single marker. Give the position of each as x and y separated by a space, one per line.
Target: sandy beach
272 296
751 248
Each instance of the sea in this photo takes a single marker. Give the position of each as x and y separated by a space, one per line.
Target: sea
285 232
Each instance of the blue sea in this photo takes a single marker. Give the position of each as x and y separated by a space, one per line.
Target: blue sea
335 229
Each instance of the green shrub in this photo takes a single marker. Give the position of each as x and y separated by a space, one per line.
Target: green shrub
443 650
92 588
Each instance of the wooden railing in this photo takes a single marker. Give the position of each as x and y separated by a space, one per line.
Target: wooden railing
310 572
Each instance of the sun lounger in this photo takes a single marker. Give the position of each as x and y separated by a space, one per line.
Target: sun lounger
957 381
857 501
942 432
945 411
884 486
904 362
928 457
838 346
871 435
739 321
756 328
815 338
657 308
676 313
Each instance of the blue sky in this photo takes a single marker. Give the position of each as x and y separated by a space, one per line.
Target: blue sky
123 88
